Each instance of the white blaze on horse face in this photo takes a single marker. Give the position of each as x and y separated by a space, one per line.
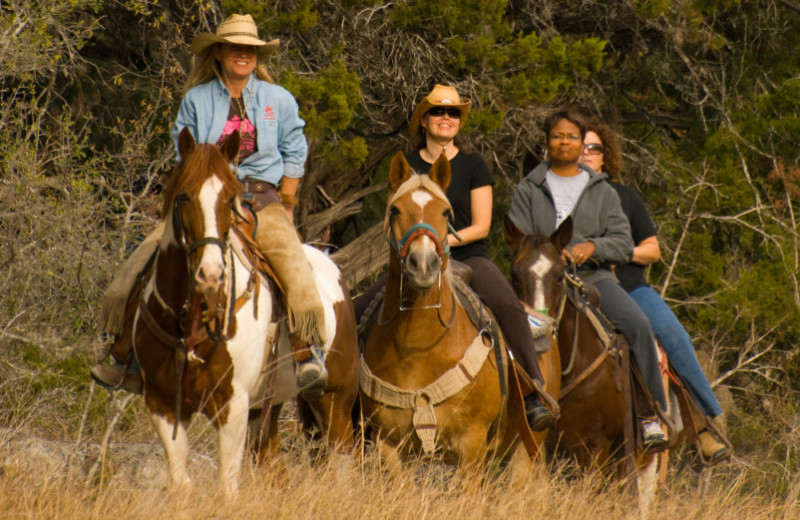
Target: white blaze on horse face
211 268
539 269
421 198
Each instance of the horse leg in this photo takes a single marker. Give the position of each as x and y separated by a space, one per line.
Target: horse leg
333 416
389 456
646 483
177 450
520 467
232 436
270 452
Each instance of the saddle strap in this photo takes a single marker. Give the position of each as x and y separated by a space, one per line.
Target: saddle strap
583 375
423 400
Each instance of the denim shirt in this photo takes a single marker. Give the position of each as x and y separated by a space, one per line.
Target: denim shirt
282 147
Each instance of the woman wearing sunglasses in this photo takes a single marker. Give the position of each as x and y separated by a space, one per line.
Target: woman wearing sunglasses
602 153
434 128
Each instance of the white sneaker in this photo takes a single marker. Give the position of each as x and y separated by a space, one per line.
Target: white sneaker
652 433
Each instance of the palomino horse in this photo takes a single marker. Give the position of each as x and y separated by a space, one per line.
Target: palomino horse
429 378
204 322
596 426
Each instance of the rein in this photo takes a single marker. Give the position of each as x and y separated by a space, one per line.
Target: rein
573 284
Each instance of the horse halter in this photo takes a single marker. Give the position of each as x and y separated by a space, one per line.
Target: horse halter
191 247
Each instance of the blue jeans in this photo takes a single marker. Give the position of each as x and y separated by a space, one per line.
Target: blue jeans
628 318
678 346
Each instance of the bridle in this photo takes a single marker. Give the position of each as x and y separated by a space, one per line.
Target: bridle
183 346
401 248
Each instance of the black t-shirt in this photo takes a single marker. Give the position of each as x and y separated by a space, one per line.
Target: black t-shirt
631 275
468 172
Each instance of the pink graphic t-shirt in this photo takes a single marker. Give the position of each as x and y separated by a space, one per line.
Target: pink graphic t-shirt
237 120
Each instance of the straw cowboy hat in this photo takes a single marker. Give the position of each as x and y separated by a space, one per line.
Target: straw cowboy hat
440 96
238 29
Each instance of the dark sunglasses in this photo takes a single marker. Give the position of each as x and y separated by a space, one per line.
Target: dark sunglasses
593 149
454 113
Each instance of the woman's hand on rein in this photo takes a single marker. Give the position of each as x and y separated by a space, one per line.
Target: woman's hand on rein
579 254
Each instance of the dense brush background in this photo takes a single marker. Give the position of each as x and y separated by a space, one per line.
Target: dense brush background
704 93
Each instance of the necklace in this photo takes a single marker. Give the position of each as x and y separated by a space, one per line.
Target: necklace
238 106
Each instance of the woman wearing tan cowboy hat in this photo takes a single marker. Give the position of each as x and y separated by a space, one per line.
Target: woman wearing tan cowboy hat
433 128
230 90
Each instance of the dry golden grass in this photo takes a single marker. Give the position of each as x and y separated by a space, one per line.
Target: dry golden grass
50 479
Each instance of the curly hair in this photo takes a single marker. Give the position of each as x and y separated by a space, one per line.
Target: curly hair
612 152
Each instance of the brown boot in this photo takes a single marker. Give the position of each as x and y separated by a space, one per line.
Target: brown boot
118 376
711 449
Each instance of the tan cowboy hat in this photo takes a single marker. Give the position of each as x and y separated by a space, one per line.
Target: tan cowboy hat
440 96
238 29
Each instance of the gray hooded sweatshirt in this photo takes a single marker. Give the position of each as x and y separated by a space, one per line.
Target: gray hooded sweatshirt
597 217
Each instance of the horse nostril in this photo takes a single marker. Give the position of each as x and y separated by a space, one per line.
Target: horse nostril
413 263
201 275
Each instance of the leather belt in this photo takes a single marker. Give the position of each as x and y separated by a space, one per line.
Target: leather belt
252 185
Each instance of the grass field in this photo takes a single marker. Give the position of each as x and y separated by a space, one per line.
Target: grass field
122 474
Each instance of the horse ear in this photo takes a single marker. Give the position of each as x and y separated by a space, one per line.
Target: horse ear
440 172
230 146
185 142
513 235
399 171
563 234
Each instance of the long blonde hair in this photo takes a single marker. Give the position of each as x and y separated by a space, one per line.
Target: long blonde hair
206 67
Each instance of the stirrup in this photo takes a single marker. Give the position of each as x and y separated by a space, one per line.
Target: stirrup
312 376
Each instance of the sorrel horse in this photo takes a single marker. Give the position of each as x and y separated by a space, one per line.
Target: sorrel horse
594 412
431 381
204 323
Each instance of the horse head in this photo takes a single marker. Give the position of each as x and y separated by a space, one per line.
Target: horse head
537 268
198 199
417 220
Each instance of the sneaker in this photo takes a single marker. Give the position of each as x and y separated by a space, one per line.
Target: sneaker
539 417
312 376
118 377
711 449
652 434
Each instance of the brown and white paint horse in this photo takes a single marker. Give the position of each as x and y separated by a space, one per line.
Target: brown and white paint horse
204 323
430 382
592 426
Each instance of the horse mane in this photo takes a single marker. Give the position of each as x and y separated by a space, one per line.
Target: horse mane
193 170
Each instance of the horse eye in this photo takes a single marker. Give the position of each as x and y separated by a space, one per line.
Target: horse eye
393 211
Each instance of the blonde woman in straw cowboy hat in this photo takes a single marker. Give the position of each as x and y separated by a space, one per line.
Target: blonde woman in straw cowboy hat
229 89
433 129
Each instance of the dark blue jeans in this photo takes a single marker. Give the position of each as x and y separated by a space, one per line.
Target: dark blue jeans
623 312
678 345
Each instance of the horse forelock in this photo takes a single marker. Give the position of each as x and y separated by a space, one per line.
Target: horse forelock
530 245
194 170
417 181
